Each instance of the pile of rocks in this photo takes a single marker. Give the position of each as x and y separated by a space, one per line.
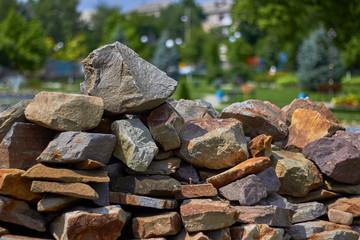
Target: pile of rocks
125 161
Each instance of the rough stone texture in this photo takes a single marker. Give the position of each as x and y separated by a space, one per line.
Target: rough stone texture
160 167
206 214
55 203
260 146
77 190
186 173
42 172
205 141
337 158
19 212
153 186
247 191
308 126
165 124
350 205
162 155
337 216
17 237
23 144
135 146
270 215
256 231
193 110
221 234
270 179
259 118
102 189
354 138
317 195
335 234
308 104
5 106
141 201
103 223
197 191
13 185
250 166
297 175
125 82
157 225
73 147
65 111
88 165
301 231
342 188
11 115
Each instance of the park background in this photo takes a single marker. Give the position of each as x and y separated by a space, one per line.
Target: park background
222 51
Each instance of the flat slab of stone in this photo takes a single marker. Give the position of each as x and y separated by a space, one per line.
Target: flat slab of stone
256 231
135 146
221 234
336 234
164 224
316 195
17 237
74 147
77 190
55 203
342 188
260 146
141 201
89 165
206 214
23 144
350 205
250 166
160 167
205 141
197 191
65 111
103 223
340 217
270 180
126 82
42 172
259 117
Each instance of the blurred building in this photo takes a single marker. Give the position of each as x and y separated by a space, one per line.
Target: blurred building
152 8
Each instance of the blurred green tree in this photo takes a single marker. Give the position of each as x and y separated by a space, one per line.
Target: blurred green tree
5 7
212 58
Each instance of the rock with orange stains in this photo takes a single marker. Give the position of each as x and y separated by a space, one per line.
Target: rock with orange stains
308 126
256 231
197 191
213 143
103 223
74 147
260 146
349 205
250 166
259 117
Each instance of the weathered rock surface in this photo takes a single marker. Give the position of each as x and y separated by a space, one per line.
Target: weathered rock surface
258 118
23 144
55 203
336 158
153 186
162 155
308 104
308 126
197 191
186 173
103 191
260 146
135 146
256 231
103 223
141 201
269 179
340 217
336 234
88 165
221 234
342 188
125 82
65 111
350 205
193 110
165 124
17 237
250 166
164 224
219 139
42 172
354 138
297 174
316 195
73 147
19 212
160 167
205 214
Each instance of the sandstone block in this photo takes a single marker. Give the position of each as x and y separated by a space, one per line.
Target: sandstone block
337 216
55 203
349 205
260 146
256 231
197 191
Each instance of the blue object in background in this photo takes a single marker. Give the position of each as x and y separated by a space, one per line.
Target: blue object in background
302 95
219 94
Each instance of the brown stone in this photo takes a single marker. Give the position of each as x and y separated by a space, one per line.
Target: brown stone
206 214
3 231
160 167
141 201
55 203
256 231
250 166
13 185
89 165
340 217
205 141
77 190
103 223
316 195
164 224
197 191
260 146
42 172
335 234
342 188
221 234
308 126
196 236
23 144
162 155
350 205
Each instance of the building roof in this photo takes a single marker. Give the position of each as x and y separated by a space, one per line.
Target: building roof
152 7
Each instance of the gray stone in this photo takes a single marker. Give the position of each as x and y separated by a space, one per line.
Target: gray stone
256 231
55 203
160 167
125 82
193 110
186 173
354 138
336 234
135 146
342 188
102 189
270 180
74 147
5 106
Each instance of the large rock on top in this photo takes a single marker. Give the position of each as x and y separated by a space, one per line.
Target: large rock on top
126 82
65 111
213 143
258 118
193 110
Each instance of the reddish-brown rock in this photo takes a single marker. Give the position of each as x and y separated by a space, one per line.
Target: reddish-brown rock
141 201
350 205
335 234
260 146
256 231
213 143
197 191
307 126
164 224
250 166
